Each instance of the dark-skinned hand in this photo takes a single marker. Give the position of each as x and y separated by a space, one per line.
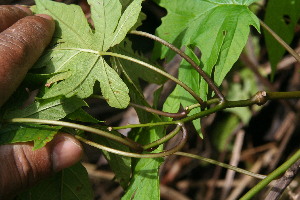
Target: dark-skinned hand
23 38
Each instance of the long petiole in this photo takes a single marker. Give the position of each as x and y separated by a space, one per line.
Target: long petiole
187 58
214 162
137 155
163 139
152 110
281 41
133 145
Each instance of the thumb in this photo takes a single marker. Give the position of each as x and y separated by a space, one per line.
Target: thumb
21 166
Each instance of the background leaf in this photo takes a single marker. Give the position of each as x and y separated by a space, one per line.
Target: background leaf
144 183
69 184
53 110
180 97
40 134
120 165
218 28
282 17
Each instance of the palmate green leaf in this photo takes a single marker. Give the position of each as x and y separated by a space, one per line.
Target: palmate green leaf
282 17
39 134
69 184
218 28
77 71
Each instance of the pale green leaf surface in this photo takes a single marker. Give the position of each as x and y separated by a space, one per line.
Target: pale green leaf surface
282 17
79 70
127 21
39 134
113 88
105 15
53 110
72 28
69 184
218 28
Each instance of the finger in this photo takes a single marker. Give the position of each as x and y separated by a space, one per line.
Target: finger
22 167
11 14
20 46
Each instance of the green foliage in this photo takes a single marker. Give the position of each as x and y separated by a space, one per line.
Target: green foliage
219 29
180 97
282 17
69 184
39 134
120 165
52 110
74 62
85 68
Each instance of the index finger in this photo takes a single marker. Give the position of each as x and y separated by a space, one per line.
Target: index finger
11 14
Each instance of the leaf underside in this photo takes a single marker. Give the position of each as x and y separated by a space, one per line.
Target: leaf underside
77 71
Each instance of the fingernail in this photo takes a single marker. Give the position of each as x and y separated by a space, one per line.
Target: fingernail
66 152
45 16
25 9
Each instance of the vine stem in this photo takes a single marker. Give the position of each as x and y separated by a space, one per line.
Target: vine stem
163 139
138 155
259 98
151 110
281 41
133 145
209 81
277 172
227 166
102 53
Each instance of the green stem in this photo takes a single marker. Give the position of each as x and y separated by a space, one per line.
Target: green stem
214 162
281 41
152 110
277 172
163 139
137 155
133 145
259 98
187 88
187 58
283 95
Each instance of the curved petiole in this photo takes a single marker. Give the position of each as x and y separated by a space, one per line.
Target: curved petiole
209 81
133 145
138 155
184 113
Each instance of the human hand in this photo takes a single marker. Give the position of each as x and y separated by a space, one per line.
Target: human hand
22 40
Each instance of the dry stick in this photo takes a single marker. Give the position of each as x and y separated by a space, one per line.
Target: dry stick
187 58
283 182
234 162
